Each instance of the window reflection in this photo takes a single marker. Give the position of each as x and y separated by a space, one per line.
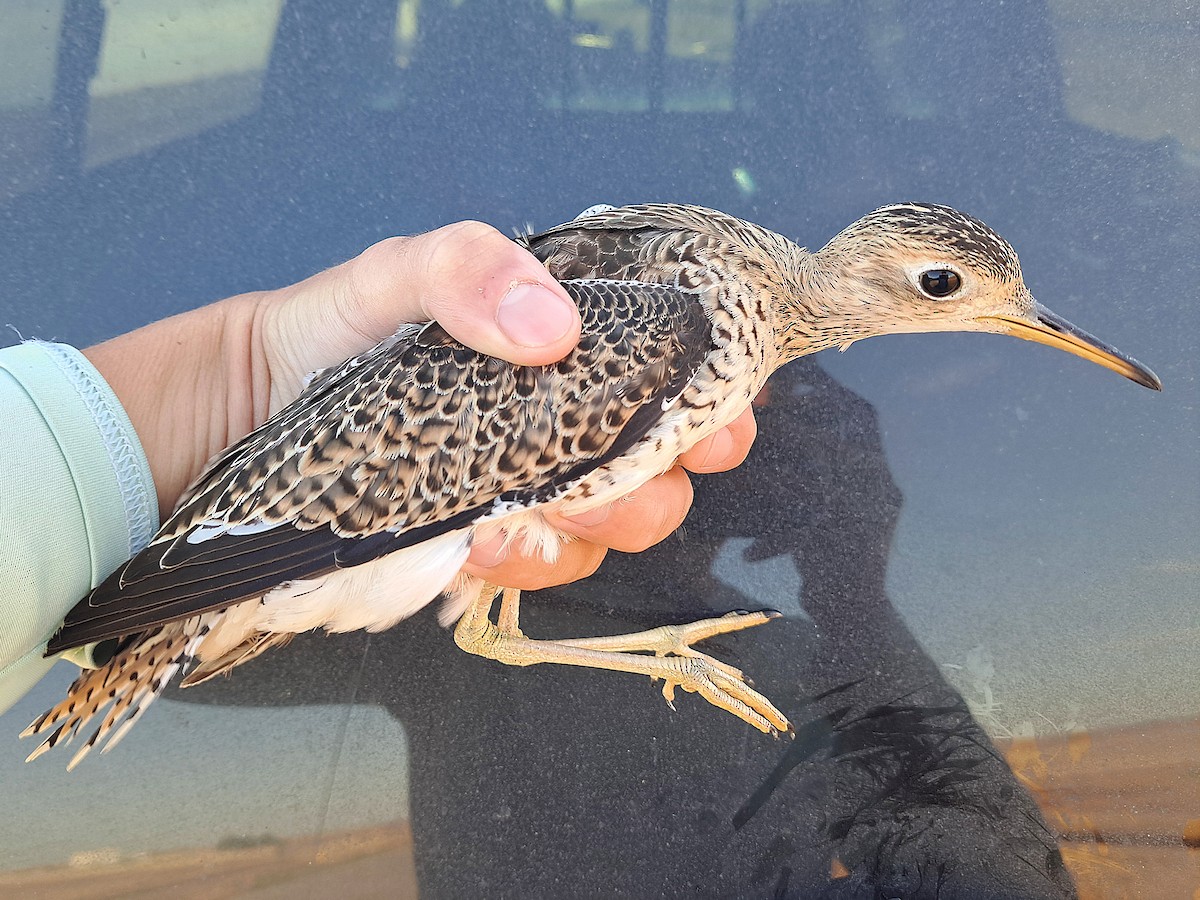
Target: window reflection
987 556
26 94
169 70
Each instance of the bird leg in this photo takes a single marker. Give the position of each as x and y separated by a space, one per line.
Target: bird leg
675 661
510 610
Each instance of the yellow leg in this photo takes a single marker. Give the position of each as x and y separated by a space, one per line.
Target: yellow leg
509 621
675 661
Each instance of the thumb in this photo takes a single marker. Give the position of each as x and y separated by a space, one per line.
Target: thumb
483 288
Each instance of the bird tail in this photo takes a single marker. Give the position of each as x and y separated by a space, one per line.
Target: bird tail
127 684
244 652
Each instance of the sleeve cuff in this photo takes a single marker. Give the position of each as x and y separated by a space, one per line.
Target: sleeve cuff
106 459
78 498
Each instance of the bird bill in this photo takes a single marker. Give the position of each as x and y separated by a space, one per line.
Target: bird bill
1055 331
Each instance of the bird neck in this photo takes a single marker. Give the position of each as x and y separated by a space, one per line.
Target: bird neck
816 311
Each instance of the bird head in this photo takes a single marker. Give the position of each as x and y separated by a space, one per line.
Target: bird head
919 267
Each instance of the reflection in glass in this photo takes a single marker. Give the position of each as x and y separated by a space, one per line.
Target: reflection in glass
1043 565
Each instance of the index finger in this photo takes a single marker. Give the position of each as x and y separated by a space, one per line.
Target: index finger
725 449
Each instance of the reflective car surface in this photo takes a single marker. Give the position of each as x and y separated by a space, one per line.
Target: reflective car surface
986 552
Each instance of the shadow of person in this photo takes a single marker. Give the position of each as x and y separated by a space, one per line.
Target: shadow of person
549 780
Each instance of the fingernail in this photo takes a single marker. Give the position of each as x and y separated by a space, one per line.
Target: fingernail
719 450
491 552
591 517
533 316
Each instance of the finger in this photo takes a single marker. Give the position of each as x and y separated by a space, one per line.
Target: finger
512 568
641 520
725 449
483 288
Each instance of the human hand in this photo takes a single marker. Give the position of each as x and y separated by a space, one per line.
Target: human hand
195 383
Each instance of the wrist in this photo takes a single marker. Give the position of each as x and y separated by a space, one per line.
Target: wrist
244 365
188 386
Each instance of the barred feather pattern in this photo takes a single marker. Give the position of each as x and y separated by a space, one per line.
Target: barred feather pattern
127 685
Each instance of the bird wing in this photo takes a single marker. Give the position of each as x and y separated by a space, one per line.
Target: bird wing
415 438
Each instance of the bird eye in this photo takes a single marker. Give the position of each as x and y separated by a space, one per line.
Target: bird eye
939 283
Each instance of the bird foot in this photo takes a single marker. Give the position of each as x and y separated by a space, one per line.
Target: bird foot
677 640
675 661
698 673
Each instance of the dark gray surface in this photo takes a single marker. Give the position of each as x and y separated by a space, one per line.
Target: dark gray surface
944 493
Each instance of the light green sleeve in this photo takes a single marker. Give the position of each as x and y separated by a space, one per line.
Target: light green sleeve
76 498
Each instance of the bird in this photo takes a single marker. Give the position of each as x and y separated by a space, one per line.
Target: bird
356 505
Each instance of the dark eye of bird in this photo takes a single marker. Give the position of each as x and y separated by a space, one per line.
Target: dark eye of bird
940 283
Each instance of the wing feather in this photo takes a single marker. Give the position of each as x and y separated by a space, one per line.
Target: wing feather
417 437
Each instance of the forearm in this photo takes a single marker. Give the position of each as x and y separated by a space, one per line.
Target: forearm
191 384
